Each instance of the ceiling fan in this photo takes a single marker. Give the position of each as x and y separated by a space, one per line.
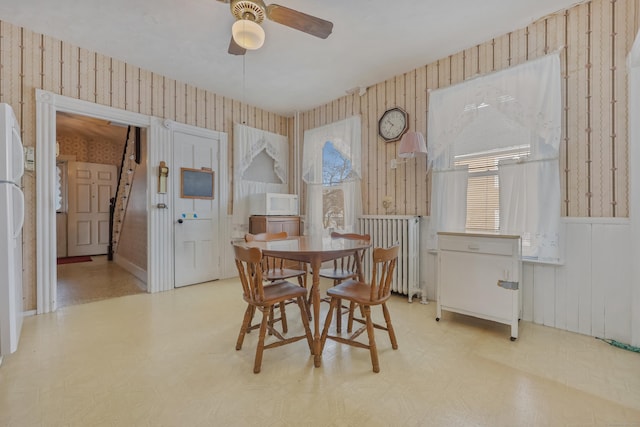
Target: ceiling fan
248 34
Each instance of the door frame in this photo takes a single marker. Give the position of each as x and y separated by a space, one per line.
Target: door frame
47 105
159 220
633 68
160 255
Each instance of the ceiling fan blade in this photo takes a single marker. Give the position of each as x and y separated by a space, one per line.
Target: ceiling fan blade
299 21
235 48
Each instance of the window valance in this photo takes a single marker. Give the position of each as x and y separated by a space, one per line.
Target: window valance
248 142
513 107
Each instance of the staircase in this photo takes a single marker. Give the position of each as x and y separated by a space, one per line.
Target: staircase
130 160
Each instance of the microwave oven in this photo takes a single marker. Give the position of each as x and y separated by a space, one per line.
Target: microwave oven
273 204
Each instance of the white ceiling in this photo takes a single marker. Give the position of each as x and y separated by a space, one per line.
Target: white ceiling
187 40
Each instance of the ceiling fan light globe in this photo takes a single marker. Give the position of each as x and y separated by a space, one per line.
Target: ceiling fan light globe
248 34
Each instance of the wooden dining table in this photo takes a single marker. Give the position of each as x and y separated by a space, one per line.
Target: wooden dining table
314 250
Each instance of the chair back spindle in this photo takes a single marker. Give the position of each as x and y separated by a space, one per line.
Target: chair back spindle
384 262
248 262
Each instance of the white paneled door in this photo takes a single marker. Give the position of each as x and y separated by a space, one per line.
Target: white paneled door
196 209
91 186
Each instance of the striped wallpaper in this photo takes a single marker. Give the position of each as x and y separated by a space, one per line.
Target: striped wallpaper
594 39
30 61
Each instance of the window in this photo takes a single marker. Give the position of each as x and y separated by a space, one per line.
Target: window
336 169
475 121
331 171
483 186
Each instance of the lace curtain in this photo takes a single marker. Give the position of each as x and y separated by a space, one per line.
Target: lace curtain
449 203
248 143
345 135
518 108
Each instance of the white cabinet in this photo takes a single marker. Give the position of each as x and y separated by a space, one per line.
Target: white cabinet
480 275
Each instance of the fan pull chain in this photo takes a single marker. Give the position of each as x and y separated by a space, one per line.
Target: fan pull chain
244 75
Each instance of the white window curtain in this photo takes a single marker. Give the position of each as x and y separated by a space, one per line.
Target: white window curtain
449 202
524 187
510 109
248 143
345 135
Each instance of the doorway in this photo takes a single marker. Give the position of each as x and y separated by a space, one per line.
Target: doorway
160 212
89 158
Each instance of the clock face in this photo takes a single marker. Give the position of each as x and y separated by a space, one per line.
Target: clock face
392 124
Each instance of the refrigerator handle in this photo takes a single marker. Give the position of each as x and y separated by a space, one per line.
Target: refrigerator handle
18 211
18 156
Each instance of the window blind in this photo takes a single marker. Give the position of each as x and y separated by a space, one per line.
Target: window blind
483 187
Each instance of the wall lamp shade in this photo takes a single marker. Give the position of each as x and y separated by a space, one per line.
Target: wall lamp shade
247 34
412 143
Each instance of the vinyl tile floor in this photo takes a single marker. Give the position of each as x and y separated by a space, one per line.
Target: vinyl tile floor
169 359
83 282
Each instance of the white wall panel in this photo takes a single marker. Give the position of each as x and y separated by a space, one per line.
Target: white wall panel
590 293
527 292
611 281
578 253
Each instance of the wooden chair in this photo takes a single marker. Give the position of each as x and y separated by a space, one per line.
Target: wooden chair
274 269
366 296
264 298
344 269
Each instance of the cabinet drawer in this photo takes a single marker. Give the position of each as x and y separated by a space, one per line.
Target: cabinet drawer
492 246
274 224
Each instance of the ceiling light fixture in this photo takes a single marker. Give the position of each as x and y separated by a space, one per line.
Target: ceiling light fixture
248 34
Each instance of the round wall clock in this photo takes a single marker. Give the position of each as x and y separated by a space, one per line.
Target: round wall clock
393 124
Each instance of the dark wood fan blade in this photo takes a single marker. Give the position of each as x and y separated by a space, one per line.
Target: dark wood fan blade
235 48
299 21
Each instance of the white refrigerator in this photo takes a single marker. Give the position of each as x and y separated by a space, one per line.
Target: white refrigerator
11 221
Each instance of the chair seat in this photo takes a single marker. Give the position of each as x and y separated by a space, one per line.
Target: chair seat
282 273
281 291
336 274
353 290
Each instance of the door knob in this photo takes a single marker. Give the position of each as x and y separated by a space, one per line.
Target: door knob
180 221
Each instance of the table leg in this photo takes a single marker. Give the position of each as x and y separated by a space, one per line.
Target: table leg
315 298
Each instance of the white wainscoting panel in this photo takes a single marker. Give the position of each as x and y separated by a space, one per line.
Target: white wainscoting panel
611 282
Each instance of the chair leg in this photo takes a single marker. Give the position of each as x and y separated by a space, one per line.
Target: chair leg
305 322
373 350
327 323
253 312
248 315
263 331
272 316
310 301
307 301
392 334
352 308
339 317
283 318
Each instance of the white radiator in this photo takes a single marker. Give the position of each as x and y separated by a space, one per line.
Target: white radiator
385 230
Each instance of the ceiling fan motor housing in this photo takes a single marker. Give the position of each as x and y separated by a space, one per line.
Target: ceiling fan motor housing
254 10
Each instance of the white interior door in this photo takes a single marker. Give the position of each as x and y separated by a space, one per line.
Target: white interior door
90 186
196 254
